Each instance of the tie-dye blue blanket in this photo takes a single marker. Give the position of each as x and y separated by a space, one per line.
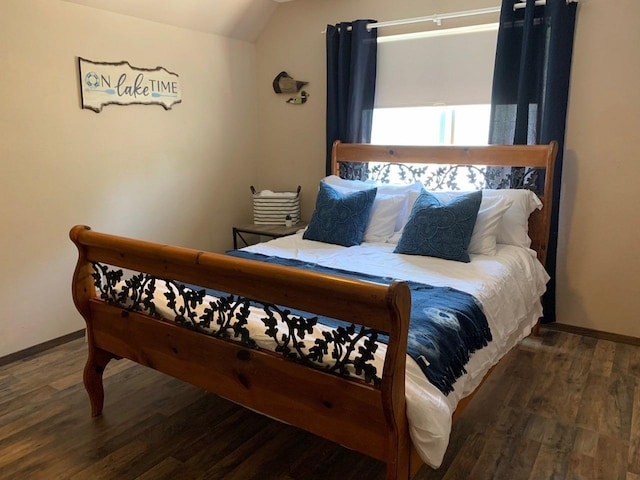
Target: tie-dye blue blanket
446 325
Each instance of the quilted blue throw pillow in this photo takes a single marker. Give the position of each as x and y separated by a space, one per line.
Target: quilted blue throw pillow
338 218
440 230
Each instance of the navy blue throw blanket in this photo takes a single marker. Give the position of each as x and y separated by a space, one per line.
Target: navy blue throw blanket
446 325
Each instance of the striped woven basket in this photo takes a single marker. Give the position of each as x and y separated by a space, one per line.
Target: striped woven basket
272 208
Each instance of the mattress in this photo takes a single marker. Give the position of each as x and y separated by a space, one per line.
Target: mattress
507 285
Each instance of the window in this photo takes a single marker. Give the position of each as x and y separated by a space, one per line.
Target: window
438 125
434 88
459 125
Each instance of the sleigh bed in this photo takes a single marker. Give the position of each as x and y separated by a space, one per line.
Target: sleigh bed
318 335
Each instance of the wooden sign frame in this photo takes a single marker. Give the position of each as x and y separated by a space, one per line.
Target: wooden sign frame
120 83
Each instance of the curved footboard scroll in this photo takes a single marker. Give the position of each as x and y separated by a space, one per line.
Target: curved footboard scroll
370 418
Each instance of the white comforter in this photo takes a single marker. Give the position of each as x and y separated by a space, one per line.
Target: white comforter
508 286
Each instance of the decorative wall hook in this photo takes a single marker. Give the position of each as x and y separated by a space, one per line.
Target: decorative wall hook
299 99
284 83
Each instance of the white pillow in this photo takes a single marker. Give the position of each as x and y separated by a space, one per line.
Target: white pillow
406 211
384 214
383 188
336 181
485 230
514 228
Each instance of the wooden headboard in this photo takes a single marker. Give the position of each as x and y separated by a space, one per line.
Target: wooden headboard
534 156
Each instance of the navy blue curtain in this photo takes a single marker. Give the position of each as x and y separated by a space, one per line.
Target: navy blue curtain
351 82
531 90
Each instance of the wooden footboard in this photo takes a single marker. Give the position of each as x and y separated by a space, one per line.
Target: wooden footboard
370 419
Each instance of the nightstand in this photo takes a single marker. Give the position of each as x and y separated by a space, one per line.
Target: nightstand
273 231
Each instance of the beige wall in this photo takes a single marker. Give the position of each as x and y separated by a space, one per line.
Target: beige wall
181 176
598 265
177 176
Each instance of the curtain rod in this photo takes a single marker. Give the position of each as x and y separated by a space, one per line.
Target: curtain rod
438 17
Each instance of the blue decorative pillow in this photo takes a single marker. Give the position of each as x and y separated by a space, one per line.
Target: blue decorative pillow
338 218
440 230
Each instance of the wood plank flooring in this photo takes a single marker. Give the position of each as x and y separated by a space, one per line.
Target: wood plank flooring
560 406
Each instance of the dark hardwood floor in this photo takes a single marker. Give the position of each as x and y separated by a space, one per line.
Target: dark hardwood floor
560 406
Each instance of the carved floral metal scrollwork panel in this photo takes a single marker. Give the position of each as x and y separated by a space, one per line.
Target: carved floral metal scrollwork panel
444 177
337 350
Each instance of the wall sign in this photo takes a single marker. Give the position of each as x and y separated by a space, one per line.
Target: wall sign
105 83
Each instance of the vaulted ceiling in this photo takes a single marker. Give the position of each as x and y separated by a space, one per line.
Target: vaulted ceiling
240 19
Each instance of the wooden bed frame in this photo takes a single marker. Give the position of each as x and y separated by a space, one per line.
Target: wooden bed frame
346 410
